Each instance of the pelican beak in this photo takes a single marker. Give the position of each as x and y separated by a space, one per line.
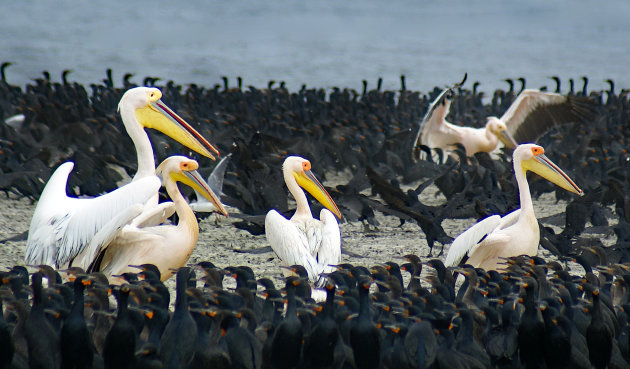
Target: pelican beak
306 179
160 117
545 168
192 178
506 138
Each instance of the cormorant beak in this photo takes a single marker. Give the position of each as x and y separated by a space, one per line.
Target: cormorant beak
545 168
192 178
307 180
160 117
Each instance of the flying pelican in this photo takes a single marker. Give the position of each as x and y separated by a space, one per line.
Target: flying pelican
516 233
303 240
62 226
529 116
166 246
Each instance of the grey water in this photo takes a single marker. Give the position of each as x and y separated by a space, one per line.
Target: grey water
321 43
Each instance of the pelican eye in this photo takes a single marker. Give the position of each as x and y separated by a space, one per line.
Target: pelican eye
154 95
306 165
537 151
188 166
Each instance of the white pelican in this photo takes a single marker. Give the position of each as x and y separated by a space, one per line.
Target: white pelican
303 240
166 246
62 226
516 233
529 116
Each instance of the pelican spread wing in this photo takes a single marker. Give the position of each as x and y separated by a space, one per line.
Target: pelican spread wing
87 257
61 226
531 114
534 112
433 123
436 132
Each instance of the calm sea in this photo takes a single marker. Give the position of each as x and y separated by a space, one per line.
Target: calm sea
320 43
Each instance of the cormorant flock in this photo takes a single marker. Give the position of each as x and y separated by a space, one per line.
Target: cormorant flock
420 313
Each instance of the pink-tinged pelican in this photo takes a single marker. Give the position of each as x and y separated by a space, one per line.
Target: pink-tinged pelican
62 226
516 233
531 114
303 240
120 244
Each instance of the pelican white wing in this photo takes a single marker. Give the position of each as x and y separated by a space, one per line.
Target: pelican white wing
433 129
156 215
62 226
133 240
329 252
516 233
467 242
470 238
105 236
134 246
304 240
292 242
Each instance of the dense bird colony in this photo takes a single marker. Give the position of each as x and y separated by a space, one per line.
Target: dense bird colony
412 313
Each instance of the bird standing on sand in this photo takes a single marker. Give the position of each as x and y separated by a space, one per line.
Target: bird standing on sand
516 233
166 246
63 226
303 240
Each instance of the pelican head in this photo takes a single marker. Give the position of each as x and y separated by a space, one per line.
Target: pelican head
300 169
184 170
499 129
151 112
533 158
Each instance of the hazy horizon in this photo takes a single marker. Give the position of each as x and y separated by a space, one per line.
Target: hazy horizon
321 44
